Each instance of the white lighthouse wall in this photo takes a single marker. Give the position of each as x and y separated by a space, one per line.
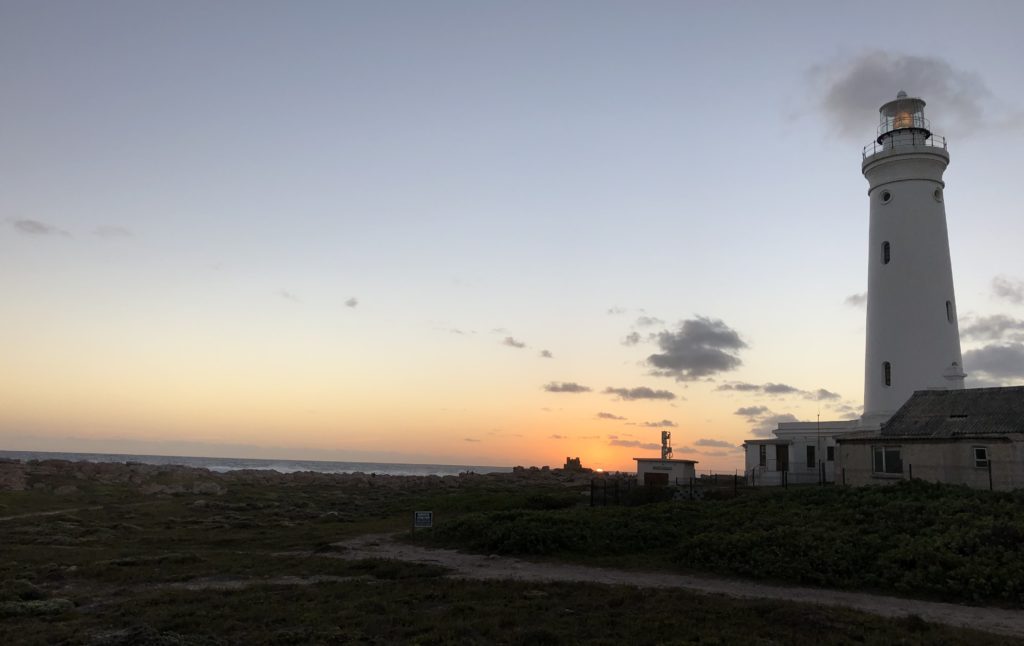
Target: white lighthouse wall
908 323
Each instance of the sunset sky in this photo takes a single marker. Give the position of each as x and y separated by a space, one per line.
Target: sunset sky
475 232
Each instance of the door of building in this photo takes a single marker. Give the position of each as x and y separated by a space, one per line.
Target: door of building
781 457
656 479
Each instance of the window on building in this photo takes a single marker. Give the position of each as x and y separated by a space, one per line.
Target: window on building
762 457
886 252
887 459
810 457
830 454
981 457
886 373
949 312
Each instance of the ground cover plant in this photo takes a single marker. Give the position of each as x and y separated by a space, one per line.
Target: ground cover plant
916 538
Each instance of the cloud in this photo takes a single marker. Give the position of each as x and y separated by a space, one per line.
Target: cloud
857 300
470 439
751 411
631 339
992 328
640 392
110 231
565 387
647 321
854 88
354 302
996 362
614 311
288 296
513 343
1009 289
848 410
609 416
662 424
779 389
721 444
636 444
824 395
740 386
766 424
683 449
716 454
37 228
546 354
555 436
699 348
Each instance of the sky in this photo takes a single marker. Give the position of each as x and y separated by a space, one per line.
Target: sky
475 232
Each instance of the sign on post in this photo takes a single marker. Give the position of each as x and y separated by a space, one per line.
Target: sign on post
422 519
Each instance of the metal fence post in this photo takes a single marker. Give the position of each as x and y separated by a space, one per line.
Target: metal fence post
990 474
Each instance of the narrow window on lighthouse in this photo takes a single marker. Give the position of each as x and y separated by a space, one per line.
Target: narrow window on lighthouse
886 253
949 311
886 373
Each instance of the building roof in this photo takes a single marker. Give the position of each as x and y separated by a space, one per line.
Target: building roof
969 412
664 460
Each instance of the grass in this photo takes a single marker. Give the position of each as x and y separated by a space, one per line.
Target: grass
112 570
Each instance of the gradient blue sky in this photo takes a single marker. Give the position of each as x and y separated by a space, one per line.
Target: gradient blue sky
324 229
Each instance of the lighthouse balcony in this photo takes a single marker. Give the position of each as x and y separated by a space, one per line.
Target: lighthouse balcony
903 138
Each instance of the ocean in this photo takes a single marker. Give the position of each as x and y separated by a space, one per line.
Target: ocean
223 465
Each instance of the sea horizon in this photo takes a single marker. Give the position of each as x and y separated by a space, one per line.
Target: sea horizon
224 464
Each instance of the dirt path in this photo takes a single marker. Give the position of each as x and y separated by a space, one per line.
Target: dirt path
475 566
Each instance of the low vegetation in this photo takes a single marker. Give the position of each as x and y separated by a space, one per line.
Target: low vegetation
916 539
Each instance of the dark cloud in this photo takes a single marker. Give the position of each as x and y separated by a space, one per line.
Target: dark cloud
779 389
751 411
665 423
824 395
1009 289
354 302
288 296
992 328
513 343
996 362
766 424
609 416
701 347
636 444
555 436
640 392
721 444
546 354
848 410
631 339
110 231
740 387
37 228
854 89
470 439
565 387
857 300
647 321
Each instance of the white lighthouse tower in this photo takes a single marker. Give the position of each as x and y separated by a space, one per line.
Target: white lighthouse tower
913 340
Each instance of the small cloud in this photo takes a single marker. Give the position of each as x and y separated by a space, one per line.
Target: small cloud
662 424
740 387
110 231
751 411
546 354
513 343
470 439
609 416
716 454
701 347
615 311
767 424
640 392
352 302
554 436
588 437
631 339
997 363
683 449
647 321
635 444
992 328
857 300
779 389
824 395
37 228
565 387
288 296
1009 289
721 444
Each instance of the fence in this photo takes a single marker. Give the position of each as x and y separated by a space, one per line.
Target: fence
627 491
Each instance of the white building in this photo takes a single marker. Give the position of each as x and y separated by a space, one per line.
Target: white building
912 341
664 471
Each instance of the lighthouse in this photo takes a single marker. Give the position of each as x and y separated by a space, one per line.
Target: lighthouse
913 340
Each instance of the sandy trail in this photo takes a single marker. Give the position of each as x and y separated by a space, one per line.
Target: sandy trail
476 566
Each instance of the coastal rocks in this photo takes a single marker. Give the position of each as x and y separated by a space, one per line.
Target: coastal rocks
12 476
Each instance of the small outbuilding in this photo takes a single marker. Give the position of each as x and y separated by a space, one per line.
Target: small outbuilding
972 436
664 471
